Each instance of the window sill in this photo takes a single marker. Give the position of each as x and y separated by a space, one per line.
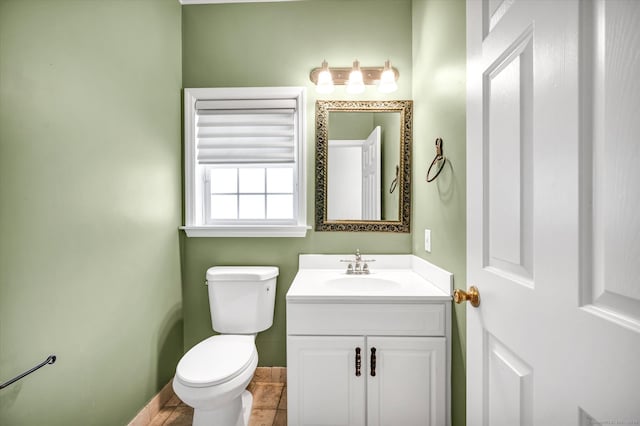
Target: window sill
291 231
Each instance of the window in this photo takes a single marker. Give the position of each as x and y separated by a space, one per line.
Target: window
244 162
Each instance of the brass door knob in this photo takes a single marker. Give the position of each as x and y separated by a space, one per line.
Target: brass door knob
472 296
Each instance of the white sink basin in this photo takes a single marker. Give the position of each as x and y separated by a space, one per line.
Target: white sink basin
362 283
393 278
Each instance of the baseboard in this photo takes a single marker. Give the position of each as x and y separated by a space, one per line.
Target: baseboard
270 375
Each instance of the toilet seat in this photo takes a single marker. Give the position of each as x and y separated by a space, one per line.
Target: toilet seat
216 360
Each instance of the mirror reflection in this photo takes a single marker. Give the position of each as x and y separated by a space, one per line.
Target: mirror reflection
364 151
363 165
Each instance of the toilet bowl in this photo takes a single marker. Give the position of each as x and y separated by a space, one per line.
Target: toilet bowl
213 375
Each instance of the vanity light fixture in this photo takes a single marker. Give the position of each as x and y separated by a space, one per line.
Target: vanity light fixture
325 80
355 84
387 79
355 78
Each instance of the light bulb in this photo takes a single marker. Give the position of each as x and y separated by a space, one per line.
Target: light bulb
325 80
355 84
387 79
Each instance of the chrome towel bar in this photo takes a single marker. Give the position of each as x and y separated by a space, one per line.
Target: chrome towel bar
50 360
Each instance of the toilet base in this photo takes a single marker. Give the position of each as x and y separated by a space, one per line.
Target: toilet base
247 403
236 413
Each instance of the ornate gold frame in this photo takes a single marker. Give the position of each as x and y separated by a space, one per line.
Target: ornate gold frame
405 108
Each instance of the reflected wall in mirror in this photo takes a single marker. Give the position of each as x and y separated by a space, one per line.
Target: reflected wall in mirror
363 165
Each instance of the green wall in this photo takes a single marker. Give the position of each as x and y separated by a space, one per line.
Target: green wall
439 94
345 125
278 44
90 196
390 153
90 179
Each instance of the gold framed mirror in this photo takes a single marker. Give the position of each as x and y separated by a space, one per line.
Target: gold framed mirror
363 165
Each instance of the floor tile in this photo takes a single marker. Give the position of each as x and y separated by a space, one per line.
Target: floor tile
181 416
269 406
278 374
283 399
260 417
162 416
174 401
281 418
267 395
262 374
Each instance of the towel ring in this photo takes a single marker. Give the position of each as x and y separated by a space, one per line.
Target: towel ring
437 158
394 182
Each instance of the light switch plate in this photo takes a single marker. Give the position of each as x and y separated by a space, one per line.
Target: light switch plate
427 240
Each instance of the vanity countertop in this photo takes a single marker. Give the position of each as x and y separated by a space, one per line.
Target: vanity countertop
393 278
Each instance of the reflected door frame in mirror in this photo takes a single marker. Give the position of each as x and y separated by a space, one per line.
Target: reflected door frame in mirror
323 108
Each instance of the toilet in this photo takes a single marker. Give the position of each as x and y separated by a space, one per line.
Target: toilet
212 377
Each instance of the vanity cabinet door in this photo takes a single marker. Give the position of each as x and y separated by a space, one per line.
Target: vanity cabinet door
409 383
323 388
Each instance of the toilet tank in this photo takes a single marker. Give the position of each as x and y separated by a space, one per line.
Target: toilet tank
242 298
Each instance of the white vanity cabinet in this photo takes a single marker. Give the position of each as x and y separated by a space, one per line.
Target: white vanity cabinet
408 387
369 350
367 364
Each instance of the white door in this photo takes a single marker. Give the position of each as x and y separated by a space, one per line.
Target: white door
324 385
371 176
406 381
553 208
344 198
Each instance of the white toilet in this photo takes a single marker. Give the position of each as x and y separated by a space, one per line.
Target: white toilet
212 377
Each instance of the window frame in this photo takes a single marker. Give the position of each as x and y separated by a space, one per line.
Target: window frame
194 174
208 221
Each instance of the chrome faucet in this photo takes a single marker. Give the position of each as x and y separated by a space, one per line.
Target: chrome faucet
361 267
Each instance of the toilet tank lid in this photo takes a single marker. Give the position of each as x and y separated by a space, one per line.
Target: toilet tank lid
241 273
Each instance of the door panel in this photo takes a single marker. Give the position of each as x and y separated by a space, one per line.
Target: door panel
508 162
610 285
371 176
553 195
344 176
508 394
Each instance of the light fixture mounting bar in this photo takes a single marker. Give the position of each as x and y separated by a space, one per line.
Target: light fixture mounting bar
370 75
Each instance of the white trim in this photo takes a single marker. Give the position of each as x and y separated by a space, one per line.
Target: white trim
188 2
346 142
441 278
296 231
190 181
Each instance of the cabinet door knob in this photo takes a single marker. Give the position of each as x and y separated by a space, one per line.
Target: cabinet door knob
473 296
373 361
358 362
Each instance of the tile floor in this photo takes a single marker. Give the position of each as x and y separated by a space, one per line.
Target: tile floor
269 404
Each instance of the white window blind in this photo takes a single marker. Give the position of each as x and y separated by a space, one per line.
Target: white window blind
246 131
